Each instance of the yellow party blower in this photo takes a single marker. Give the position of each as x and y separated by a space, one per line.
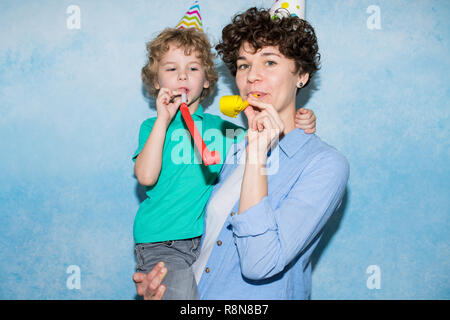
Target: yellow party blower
232 105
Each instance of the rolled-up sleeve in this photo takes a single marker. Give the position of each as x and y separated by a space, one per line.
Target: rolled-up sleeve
247 224
268 239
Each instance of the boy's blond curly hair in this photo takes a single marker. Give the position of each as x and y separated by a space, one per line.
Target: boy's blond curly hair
191 40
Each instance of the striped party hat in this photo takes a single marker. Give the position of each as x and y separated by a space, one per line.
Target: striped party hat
192 18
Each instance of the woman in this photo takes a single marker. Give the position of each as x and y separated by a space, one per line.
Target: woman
279 186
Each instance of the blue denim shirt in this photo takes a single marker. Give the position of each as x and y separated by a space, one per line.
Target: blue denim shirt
264 252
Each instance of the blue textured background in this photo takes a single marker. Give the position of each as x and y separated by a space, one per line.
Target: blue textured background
71 103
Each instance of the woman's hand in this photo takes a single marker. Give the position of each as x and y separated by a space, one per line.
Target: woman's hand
149 285
265 127
305 119
167 104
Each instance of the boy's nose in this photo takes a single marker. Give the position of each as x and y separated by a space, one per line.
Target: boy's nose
182 76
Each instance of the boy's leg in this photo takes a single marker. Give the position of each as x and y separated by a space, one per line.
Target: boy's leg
178 257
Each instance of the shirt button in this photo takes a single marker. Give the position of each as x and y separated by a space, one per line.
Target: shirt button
219 243
207 270
233 213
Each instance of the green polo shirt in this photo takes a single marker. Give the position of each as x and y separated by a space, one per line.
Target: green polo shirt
174 207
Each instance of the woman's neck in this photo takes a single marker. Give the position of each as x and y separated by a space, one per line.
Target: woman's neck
287 115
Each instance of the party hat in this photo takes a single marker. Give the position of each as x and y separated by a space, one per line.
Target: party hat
192 18
288 8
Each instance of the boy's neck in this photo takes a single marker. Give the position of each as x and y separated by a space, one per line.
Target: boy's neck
194 107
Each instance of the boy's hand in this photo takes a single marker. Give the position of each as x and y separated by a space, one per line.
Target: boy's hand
167 104
305 119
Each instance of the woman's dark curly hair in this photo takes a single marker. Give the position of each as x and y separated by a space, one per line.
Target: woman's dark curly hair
294 37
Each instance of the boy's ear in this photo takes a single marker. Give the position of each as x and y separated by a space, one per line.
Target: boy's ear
156 85
206 84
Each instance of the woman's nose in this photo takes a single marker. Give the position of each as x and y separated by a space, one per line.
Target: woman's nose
253 74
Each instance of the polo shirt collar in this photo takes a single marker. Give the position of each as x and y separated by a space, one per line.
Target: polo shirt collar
199 113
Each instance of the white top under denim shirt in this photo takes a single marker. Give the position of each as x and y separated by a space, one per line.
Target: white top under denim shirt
264 252
217 210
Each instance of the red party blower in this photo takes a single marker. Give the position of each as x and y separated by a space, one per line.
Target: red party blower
209 157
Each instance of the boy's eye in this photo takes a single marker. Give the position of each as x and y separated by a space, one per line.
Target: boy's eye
170 69
194 69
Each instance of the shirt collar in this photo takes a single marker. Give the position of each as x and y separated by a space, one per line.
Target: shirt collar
293 141
199 113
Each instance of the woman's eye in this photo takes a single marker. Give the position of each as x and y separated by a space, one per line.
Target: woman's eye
270 63
242 66
171 69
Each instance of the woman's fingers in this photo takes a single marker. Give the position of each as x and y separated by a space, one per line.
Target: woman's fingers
250 114
159 293
268 129
264 120
269 125
267 107
156 280
154 277
155 290
140 280
149 285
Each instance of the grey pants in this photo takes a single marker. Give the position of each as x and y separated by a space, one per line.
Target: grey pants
178 257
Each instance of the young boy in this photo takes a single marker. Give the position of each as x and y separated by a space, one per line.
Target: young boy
169 222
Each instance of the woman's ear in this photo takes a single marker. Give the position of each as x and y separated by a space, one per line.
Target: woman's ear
302 80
